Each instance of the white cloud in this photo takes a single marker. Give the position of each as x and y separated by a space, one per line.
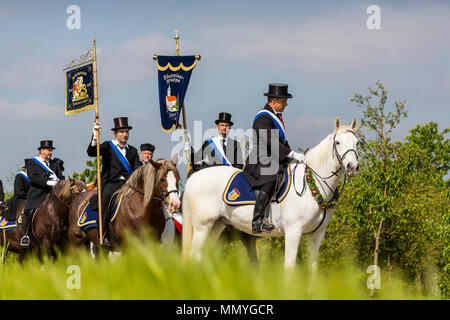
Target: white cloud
30 109
337 41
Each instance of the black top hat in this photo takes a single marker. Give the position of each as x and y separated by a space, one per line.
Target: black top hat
224 117
46 144
26 162
278 90
147 147
121 123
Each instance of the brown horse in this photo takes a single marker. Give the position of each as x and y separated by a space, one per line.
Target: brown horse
50 222
140 198
9 238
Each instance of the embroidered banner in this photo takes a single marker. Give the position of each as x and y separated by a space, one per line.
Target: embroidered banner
174 73
79 89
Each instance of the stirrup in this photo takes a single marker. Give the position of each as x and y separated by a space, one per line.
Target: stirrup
263 226
25 241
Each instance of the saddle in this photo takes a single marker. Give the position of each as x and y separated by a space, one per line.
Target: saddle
7 225
239 192
88 218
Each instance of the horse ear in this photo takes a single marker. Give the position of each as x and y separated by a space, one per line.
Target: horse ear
337 123
175 159
155 164
354 124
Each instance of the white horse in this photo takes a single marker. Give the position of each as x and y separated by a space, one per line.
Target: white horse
205 213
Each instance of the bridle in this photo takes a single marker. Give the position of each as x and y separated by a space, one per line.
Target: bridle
163 195
336 192
336 153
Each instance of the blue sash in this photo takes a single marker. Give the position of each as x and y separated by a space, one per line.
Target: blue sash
275 120
43 167
219 154
24 175
122 159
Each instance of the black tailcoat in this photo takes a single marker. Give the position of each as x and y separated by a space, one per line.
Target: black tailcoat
38 183
261 155
112 170
112 167
209 157
21 187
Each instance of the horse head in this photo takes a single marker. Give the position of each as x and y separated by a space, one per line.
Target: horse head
167 181
65 190
77 187
345 145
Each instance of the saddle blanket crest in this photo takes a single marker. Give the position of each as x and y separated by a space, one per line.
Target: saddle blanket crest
238 191
88 219
7 225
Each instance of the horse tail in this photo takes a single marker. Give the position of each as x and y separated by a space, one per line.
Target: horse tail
188 229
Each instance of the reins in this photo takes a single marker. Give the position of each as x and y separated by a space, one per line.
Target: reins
336 193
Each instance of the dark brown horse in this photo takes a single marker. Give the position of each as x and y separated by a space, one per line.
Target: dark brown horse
9 238
50 222
140 198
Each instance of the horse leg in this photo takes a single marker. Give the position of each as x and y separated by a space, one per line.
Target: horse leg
215 232
314 241
199 237
249 242
293 235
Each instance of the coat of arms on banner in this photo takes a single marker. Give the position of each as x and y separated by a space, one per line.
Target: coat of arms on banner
172 102
79 89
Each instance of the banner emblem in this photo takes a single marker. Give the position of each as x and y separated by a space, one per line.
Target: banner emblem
79 89
174 73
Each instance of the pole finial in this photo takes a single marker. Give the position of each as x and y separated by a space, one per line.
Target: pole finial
177 37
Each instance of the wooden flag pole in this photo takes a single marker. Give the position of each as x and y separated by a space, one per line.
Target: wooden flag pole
183 113
99 184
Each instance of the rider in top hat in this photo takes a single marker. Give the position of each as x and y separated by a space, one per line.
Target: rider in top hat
147 150
220 149
43 174
21 187
119 160
264 165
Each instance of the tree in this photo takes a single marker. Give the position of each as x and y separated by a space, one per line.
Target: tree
395 213
89 174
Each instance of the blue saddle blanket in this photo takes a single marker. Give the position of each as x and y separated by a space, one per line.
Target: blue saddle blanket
7 225
88 219
238 191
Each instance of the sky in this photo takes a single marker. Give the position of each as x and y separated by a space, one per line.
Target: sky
322 49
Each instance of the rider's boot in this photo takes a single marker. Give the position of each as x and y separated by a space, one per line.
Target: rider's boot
260 222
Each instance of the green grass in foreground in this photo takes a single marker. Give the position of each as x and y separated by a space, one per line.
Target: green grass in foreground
146 270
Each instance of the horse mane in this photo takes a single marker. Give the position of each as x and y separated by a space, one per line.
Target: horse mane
142 178
62 190
318 155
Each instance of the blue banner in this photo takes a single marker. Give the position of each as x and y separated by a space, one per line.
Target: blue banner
174 73
80 89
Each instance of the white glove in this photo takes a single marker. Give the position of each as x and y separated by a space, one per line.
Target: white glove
53 177
297 156
51 183
97 127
